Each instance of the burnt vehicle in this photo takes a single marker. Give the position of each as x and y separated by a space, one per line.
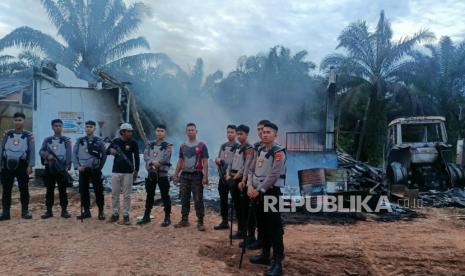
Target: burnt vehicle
418 157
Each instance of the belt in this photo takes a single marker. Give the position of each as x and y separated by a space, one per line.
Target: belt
192 173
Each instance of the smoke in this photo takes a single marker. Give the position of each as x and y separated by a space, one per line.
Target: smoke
288 96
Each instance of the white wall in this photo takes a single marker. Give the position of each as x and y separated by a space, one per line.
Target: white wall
96 105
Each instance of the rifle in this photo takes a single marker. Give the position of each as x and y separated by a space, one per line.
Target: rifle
120 152
231 226
246 237
222 174
59 167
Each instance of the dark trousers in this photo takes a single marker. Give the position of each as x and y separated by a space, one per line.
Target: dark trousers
191 183
241 204
52 179
163 183
94 176
273 227
8 178
223 190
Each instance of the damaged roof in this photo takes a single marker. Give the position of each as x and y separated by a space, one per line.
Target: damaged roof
15 83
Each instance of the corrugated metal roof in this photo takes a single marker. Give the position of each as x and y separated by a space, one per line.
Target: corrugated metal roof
14 83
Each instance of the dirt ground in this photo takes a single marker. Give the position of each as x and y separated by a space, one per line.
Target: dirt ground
432 244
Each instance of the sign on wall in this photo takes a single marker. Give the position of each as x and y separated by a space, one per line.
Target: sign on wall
73 122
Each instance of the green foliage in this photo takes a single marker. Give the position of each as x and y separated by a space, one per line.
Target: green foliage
371 62
97 35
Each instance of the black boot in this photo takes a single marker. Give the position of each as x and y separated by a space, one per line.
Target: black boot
255 245
145 219
248 242
25 214
166 221
276 268
85 215
5 215
101 214
223 225
65 214
47 214
263 258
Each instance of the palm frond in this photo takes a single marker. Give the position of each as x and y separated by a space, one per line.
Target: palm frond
126 46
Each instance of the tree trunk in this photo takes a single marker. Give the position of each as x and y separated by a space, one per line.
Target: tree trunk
363 130
371 100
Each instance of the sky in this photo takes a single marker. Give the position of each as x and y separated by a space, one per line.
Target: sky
222 31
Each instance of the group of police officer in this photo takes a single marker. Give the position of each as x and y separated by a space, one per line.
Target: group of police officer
248 172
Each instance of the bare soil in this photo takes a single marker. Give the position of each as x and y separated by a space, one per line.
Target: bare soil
431 244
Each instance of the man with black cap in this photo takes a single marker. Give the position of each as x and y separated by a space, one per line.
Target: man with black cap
268 175
256 221
157 155
16 161
125 171
235 175
56 154
89 158
225 156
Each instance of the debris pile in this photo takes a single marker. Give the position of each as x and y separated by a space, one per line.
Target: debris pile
360 176
452 198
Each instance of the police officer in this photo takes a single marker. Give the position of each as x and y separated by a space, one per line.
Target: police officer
234 175
56 156
193 166
17 160
157 155
89 158
268 174
256 220
225 156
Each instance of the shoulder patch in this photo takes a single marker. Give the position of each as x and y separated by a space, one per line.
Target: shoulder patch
278 155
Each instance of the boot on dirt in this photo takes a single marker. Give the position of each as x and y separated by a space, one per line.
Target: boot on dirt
85 215
114 218
263 258
166 221
222 226
256 245
145 219
200 225
276 268
182 223
5 215
65 214
25 214
47 214
126 220
101 214
249 241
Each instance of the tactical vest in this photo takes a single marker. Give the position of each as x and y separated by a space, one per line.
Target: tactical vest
58 146
89 154
192 162
158 152
15 149
238 160
264 164
227 152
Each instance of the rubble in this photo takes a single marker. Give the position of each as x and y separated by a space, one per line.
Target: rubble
360 176
454 197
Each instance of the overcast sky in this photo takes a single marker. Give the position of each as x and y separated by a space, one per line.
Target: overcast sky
221 31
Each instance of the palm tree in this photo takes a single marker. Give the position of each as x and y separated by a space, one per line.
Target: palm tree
440 73
97 35
371 63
